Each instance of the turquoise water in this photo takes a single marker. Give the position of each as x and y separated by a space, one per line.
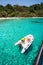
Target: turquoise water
13 30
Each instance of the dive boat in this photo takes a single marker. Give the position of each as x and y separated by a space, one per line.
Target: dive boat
25 42
39 58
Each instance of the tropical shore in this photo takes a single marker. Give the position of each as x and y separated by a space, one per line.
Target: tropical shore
18 17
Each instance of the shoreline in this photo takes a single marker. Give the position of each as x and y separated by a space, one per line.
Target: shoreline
17 17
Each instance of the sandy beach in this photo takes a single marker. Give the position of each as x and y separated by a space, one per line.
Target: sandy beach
18 17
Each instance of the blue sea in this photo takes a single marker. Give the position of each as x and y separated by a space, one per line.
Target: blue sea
11 31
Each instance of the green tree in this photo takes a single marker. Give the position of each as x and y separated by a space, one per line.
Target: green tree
3 14
8 8
11 14
1 8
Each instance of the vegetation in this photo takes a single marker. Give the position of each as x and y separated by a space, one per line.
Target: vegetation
21 11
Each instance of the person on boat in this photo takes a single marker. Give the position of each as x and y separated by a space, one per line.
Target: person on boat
23 40
28 39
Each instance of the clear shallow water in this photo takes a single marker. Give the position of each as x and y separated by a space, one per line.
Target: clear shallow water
13 30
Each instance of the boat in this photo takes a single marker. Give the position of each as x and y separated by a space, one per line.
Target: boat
39 57
27 42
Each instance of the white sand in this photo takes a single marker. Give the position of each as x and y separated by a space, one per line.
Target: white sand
18 17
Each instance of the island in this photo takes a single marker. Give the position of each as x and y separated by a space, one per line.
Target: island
8 10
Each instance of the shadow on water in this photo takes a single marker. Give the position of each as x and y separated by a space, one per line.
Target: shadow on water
20 47
29 50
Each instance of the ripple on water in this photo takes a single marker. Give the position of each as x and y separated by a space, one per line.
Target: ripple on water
13 30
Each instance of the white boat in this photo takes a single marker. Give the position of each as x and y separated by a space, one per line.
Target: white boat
28 41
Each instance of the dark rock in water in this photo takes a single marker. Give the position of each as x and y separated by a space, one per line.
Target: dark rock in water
36 22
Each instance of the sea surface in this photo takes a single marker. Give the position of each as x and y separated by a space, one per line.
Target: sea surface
11 31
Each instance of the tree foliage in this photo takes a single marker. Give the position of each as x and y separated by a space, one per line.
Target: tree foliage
21 11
